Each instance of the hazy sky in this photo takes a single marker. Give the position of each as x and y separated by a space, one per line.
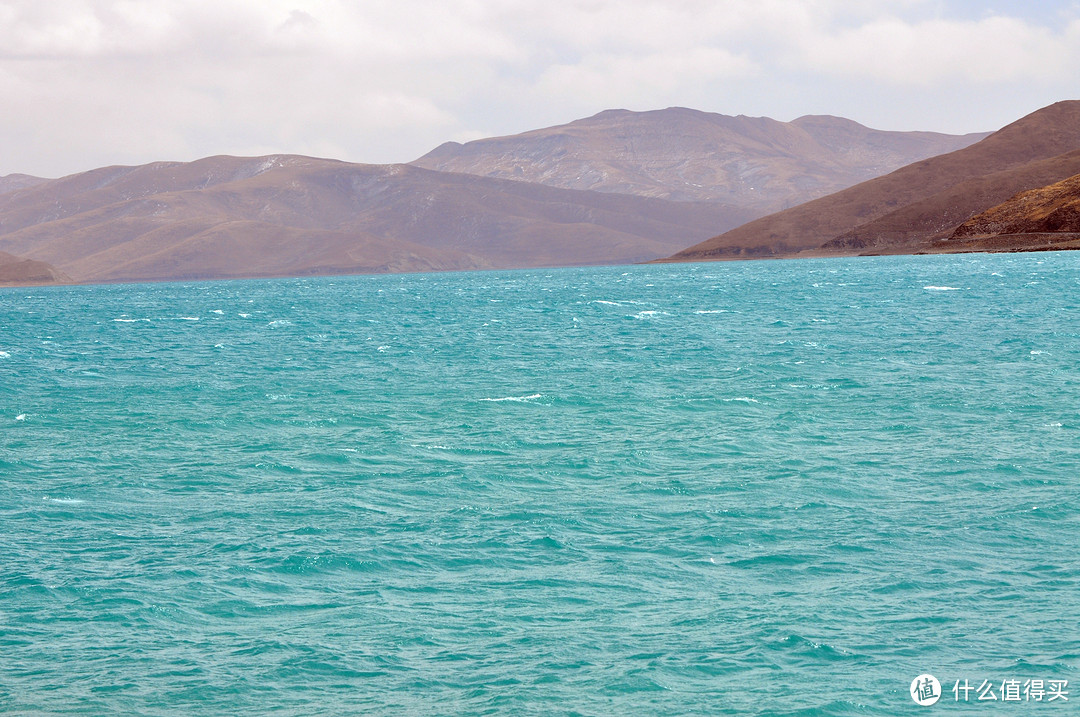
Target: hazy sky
87 83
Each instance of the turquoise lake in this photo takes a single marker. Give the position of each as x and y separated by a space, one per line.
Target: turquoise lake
782 487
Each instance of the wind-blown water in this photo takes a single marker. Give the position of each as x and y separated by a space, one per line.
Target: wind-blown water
777 488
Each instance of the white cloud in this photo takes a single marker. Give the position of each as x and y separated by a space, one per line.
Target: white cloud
618 79
90 82
994 50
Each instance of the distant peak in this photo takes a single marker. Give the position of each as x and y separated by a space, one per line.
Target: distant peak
608 114
826 120
446 149
448 145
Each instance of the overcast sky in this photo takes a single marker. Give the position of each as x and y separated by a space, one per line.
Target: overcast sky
87 83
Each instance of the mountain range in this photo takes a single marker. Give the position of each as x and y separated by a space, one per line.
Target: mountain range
224 217
754 163
915 208
619 187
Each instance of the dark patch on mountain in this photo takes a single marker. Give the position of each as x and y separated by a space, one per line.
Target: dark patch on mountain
17 271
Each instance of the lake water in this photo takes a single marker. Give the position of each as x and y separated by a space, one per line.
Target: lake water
780 487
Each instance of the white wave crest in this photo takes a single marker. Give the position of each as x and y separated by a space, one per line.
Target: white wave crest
531 397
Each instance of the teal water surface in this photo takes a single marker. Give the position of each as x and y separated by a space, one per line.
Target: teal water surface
739 488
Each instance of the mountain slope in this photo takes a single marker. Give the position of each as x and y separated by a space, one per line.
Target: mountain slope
1053 208
914 205
16 271
270 216
15 182
686 155
1038 219
932 219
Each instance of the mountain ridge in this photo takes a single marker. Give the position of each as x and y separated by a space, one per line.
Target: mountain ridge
684 154
280 215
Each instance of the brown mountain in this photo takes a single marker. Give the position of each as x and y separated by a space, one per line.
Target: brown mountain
916 206
288 215
754 163
1043 218
12 182
16 271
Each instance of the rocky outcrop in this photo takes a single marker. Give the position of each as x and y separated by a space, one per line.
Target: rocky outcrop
1047 210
